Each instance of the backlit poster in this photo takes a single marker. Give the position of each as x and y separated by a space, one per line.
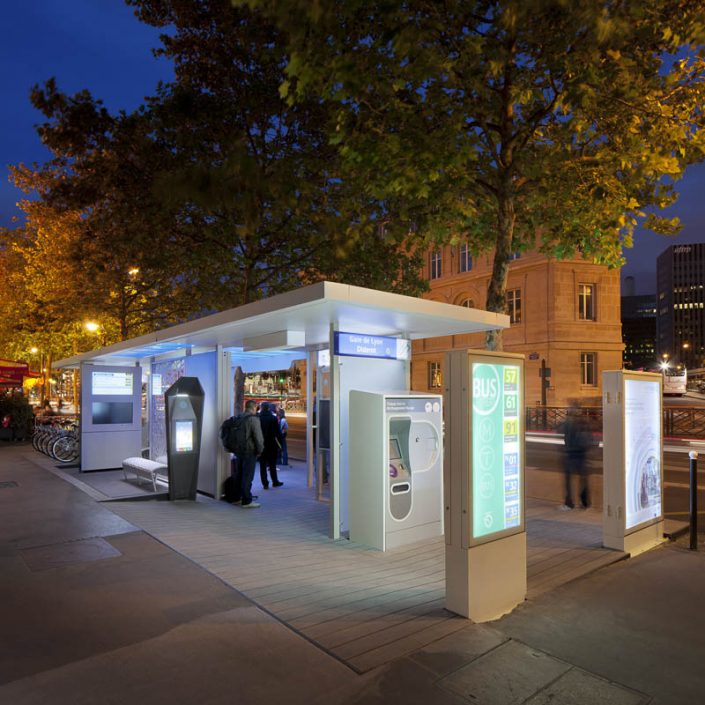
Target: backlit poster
642 451
496 448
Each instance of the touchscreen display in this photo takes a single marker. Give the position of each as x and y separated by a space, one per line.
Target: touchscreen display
184 436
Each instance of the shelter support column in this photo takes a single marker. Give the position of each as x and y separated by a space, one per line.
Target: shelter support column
310 406
334 470
224 392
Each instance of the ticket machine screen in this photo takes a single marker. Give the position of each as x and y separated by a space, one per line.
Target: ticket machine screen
394 450
398 471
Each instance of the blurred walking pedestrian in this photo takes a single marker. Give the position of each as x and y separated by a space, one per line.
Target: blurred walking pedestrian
578 438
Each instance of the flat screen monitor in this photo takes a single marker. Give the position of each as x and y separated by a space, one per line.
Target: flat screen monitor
394 450
111 383
111 412
183 435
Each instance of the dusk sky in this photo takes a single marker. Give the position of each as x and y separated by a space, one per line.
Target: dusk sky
101 46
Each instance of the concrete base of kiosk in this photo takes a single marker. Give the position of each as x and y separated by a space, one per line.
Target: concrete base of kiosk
638 541
486 581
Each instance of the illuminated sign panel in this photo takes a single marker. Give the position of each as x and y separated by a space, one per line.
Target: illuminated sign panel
642 451
496 449
377 346
111 383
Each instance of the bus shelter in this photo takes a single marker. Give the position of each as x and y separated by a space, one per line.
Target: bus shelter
351 338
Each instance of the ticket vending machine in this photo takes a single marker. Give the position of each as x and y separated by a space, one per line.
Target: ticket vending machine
395 468
184 421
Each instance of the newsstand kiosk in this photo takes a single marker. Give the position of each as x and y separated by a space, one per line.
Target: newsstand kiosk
184 421
484 483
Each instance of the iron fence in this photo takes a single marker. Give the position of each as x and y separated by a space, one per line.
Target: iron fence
678 422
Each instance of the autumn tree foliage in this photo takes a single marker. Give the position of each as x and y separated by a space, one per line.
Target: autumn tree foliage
214 193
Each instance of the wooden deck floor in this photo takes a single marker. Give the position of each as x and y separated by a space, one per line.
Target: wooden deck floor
361 605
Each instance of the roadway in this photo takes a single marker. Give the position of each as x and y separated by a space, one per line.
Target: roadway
546 452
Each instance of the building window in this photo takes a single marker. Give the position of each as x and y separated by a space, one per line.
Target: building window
464 258
514 305
586 302
468 303
435 265
588 369
435 377
513 256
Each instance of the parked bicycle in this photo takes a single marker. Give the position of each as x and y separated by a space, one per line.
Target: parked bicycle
58 438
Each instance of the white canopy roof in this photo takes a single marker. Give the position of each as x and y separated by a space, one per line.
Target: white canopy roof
301 319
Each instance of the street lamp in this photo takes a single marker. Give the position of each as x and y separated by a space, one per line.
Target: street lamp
93 327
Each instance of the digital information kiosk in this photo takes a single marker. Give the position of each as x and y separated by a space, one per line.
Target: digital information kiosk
111 415
184 422
633 460
484 484
395 468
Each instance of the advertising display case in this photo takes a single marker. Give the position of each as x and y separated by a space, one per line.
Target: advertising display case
633 460
484 483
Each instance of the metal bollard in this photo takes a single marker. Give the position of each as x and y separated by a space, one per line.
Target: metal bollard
693 455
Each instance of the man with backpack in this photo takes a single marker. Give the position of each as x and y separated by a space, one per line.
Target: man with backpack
242 436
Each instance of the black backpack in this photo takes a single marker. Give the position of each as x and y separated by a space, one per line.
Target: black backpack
233 434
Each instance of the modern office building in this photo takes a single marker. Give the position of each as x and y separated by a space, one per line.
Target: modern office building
564 312
680 320
638 328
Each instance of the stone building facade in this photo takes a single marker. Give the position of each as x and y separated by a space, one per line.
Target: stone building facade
564 312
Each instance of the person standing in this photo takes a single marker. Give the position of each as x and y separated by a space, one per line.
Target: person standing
252 445
578 439
272 442
284 429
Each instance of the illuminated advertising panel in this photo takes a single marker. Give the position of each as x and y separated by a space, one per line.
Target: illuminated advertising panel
111 383
183 436
496 449
642 451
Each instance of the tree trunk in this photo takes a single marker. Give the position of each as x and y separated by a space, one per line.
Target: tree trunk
497 287
47 376
123 315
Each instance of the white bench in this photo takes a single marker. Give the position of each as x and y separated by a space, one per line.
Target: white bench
142 467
